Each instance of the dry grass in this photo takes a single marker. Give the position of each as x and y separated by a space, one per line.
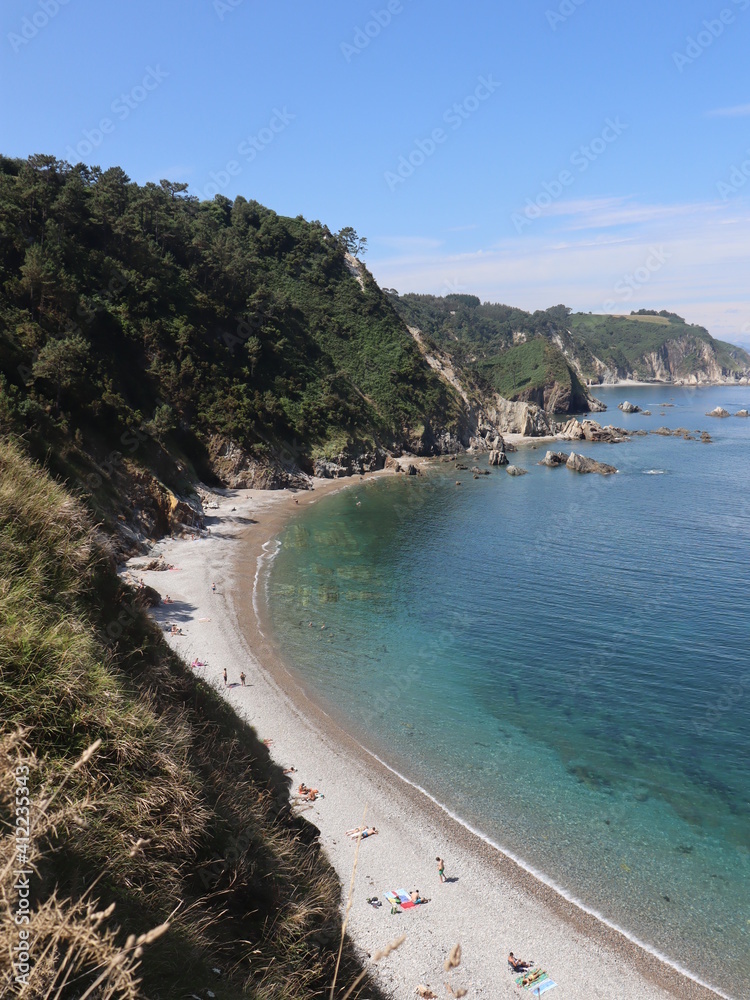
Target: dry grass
179 816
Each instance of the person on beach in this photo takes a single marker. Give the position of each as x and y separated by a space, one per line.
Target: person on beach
213 588
516 964
289 770
363 832
243 678
225 676
441 868
416 898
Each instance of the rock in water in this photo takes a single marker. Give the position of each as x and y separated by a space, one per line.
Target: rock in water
514 470
742 413
571 431
553 459
411 470
627 407
664 431
718 411
498 458
579 463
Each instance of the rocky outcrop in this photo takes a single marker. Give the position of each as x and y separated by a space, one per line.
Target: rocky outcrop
237 469
554 459
514 470
627 407
592 431
498 458
742 413
572 431
718 411
580 463
407 468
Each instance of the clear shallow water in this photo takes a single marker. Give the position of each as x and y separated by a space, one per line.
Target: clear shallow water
561 660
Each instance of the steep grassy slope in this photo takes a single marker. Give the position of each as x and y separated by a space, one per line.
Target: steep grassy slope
512 352
138 313
178 818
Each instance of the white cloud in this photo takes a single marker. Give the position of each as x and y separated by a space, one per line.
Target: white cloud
699 271
738 111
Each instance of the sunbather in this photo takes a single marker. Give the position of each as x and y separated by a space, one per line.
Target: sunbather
416 898
516 964
361 834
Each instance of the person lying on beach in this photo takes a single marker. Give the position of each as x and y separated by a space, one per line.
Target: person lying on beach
516 964
176 630
167 599
197 663
289 770
363 832
532 978
311 794
416 898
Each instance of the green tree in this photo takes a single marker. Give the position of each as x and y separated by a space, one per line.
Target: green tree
64 363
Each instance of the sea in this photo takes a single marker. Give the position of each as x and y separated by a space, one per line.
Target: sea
560 660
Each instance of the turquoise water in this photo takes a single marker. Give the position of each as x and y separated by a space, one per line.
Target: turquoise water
561 660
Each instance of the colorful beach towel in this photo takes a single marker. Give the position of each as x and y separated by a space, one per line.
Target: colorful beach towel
399 897
540 983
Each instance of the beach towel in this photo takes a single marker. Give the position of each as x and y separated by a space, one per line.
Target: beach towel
397 897
541 984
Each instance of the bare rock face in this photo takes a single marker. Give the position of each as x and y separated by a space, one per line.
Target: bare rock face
706 438
498 458
408 468
592 431
239 470
627 407
742 413
514 470
718 411
580 463
392 463
664 431
553 459
572 431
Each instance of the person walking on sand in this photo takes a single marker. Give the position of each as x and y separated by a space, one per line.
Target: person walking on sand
213 588
225 676
242 678
441 868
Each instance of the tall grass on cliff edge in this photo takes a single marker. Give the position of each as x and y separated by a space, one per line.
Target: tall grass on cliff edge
179 817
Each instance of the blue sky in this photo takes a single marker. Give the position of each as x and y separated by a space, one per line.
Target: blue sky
532 153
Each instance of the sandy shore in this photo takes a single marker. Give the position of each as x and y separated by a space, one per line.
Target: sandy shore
491 905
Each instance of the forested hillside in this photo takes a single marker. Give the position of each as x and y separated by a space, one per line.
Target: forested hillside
195 331
551 355
514 353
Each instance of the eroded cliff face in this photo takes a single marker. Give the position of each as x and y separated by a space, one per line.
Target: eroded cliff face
685 360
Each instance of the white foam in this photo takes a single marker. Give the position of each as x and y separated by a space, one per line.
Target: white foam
654 472
551 884
269 556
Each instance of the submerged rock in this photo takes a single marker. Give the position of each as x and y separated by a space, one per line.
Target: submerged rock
514 470
664 431
580 463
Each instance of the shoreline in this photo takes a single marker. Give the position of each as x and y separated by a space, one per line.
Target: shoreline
498 903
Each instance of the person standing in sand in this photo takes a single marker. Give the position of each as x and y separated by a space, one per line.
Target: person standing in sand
225 676
242 678
441 868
